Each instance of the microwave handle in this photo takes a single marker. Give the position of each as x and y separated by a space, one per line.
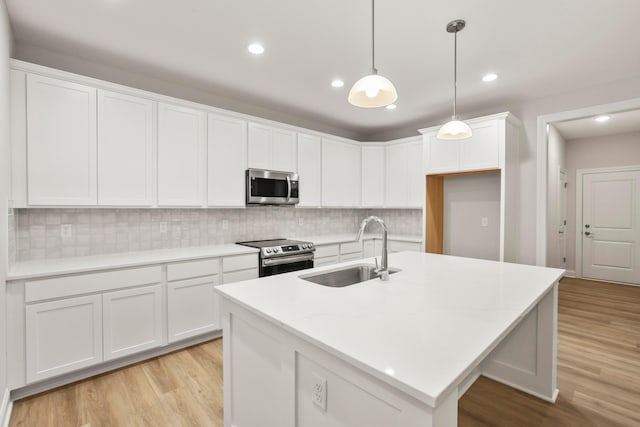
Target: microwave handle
288 188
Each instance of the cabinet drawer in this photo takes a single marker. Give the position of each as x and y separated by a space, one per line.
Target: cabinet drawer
326 250
58 287
319 262
240 262
399 246
351 256
237 276
351 247
189 269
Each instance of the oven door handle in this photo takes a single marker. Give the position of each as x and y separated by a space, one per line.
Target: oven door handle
288 188
287 259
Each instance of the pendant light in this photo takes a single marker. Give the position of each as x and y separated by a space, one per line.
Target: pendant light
455 129
374 90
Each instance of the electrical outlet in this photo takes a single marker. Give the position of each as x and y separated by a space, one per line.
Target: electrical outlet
225 224
485 222
319 391
66 231
163 226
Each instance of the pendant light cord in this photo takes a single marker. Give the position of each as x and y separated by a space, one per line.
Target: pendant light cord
455 71
373 39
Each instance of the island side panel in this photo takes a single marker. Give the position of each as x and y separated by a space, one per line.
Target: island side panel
270 376
527 358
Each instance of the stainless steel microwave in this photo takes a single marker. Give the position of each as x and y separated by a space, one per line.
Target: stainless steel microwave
265 187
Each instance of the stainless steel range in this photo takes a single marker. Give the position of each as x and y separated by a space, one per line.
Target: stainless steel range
282 255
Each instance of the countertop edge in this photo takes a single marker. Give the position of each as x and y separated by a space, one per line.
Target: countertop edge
94 263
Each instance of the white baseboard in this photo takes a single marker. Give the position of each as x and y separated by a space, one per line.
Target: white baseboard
570 273
5 409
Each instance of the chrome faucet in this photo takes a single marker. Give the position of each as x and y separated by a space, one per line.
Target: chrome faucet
383 271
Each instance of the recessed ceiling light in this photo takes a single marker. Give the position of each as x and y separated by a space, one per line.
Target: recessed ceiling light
256 48
489 77
337 83
602 119
391 107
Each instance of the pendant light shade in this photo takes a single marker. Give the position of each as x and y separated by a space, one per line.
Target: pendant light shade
373 90
455 129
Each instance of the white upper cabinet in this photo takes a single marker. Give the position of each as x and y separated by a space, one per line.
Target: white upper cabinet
309 169
227 161
396 189
405 179
125 150
271 148
181 159
340 173
480 152
61 150
373 176
415 175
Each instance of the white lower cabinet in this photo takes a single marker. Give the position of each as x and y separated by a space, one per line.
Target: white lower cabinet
63 336
193 307
132 321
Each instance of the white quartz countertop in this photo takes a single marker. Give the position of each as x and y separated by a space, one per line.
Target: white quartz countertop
51 267
351 237
422 332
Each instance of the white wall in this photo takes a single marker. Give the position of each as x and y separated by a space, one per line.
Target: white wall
467 199
6 44
557 160
597 152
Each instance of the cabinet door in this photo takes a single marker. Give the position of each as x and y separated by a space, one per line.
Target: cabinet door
442 156
194 307
373 176
125 150
396 188
227 161
132 321
181 145
416 178
340 174
61 144
259 156
283 151
309 169
481 151
63 336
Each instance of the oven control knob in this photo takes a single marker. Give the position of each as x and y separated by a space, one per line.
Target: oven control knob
268 250
304 246
275 250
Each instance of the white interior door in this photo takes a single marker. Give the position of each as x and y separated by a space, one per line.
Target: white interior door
562 220
611 226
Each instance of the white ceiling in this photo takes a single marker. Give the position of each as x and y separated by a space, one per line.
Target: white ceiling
538 48
623 122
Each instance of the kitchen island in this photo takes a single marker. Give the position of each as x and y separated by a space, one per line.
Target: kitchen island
394 353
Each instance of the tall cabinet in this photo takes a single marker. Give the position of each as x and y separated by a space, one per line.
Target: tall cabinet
494 147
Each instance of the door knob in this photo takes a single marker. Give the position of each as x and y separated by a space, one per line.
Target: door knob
586 226
587 233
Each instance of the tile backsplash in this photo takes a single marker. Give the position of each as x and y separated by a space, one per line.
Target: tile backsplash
60 233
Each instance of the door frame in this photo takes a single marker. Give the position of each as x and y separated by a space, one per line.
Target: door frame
580 173
542 161
561 171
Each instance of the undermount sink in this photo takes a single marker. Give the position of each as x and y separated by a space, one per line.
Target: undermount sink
346 276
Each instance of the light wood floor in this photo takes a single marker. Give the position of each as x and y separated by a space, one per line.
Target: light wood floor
599 371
